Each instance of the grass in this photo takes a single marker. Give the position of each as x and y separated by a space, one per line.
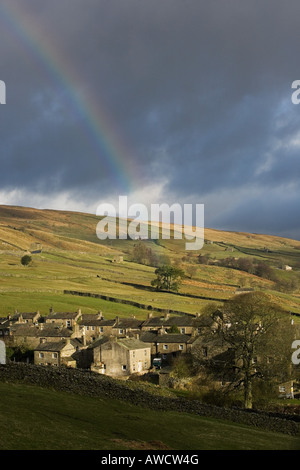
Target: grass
34 418
74 259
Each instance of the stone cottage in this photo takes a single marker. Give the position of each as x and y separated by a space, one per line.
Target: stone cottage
56 353
65 319
120 357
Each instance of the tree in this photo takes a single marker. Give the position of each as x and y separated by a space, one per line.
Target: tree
258 335
26 260
191 270
168 278
203 259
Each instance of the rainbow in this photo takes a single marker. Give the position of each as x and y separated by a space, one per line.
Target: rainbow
95 118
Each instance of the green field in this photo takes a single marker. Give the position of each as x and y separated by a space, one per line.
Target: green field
73 258
34 418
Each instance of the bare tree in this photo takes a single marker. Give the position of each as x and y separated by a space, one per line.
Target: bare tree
258 335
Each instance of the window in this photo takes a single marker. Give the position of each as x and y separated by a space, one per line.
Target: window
101 329
68 323
145 352
124 367
181 347
120 331
182 330
54 355
281 389
41 355
146 365
133 353
165 347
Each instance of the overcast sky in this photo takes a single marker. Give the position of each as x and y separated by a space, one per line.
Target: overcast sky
170 101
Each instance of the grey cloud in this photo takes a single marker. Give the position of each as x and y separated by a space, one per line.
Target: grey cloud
196 91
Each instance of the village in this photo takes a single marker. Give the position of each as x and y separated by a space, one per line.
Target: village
119 347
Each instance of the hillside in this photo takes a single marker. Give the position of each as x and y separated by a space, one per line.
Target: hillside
65 421
67 255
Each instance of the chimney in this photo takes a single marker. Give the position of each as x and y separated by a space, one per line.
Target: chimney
42 340
50 310
76 329
150 315
79 311
167 316
117 320
100 315
83 337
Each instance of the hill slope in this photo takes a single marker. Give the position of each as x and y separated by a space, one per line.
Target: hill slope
69 256
65 421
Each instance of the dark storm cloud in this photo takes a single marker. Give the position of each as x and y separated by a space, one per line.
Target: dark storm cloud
199 92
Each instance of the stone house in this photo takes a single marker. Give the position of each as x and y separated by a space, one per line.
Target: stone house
126 326
18 318
30 317
184 323
120 357
56 353
30 336
168 346
65 319
92 326
286 389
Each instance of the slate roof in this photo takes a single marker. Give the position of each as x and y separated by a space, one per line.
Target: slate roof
34 331
52 346
57 345
128 343
180 321
151 337
91 317
63 315
98 342
128 323
95 322
132 343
